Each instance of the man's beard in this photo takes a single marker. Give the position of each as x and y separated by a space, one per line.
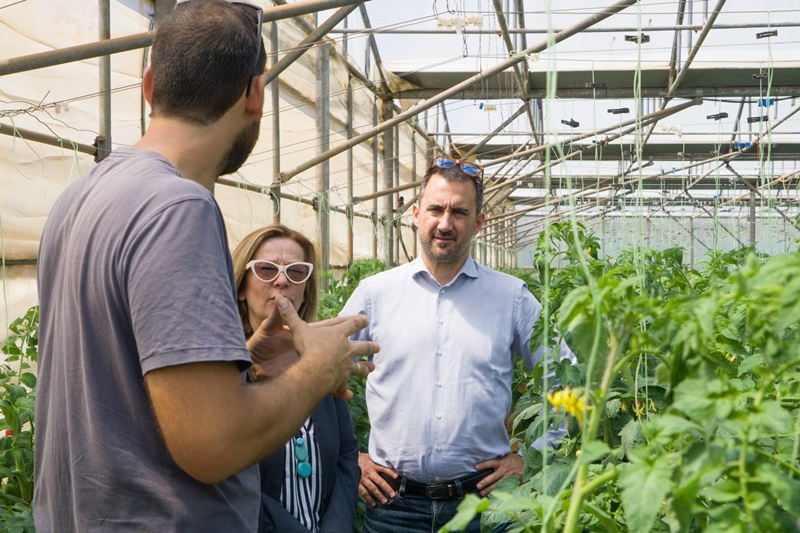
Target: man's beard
240 149
448 255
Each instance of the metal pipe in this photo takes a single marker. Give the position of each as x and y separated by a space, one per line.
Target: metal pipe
141 40
275 100
444 95
574 138
387 210
384 192
696 48
323 120
374 47
262 189
304 45
501 20
374 179
349 127
50 140
497 130
753 192
587 148
578 93
104 82
529 31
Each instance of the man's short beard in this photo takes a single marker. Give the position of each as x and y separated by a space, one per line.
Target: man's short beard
240 149
446 256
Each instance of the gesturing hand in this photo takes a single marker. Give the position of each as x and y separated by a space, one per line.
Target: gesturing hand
328 345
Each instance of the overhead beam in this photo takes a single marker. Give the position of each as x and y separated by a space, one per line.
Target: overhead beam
544 31
447 94
604 82
141 40
304 45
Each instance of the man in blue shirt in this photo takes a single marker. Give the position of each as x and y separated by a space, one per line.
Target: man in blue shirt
449 329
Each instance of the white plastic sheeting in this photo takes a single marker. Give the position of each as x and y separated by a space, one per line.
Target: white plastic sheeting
63 101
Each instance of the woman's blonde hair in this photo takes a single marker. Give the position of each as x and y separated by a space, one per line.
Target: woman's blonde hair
247 248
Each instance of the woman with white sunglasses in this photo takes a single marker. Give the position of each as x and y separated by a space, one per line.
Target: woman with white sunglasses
312 483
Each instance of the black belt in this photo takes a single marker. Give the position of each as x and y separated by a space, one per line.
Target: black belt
443 490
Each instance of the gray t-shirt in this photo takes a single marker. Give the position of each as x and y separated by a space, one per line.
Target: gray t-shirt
134 275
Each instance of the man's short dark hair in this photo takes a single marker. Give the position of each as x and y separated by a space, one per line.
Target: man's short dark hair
455 173
202 60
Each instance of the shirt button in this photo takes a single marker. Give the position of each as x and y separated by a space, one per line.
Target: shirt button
438 417
441 322
439 352
438 448
443 291
439 384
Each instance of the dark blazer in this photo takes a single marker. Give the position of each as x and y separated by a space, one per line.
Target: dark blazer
338 447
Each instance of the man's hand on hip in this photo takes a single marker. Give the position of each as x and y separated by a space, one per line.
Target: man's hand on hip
373 488
508 465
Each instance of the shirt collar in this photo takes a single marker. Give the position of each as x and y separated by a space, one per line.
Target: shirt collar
469 269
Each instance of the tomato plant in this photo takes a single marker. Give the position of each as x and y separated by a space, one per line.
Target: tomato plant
682 414
17 392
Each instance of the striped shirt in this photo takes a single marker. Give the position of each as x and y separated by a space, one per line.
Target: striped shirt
302 497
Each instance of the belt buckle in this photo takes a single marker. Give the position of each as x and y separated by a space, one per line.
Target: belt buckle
432 491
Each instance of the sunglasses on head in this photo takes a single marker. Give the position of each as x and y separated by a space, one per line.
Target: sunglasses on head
471 169
268 271
257 14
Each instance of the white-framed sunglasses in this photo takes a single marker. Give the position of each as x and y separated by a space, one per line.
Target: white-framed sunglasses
268 271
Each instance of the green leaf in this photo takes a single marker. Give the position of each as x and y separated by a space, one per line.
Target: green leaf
631 434
645 482
704 400
593 451
785 489
467 511
749 363
662 430
770 417
553 476
725 491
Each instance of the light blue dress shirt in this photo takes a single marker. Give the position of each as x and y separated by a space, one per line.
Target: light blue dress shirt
441 388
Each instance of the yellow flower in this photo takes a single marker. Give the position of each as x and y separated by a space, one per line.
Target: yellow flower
588 250
639 410
568 401
730 357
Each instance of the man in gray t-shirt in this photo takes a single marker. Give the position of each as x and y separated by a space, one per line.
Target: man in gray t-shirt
144 422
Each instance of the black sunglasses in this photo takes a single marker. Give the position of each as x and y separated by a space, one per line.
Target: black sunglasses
258 14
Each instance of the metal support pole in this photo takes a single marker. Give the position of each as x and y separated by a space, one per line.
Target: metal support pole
373 46
387 211
142 40
306 43
375 225
275 97
162 10
752 217
395 183
51 140
413 180
104 85
476 79
349 126
497 130
323 171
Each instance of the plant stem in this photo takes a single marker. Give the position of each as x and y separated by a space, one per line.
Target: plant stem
581 488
